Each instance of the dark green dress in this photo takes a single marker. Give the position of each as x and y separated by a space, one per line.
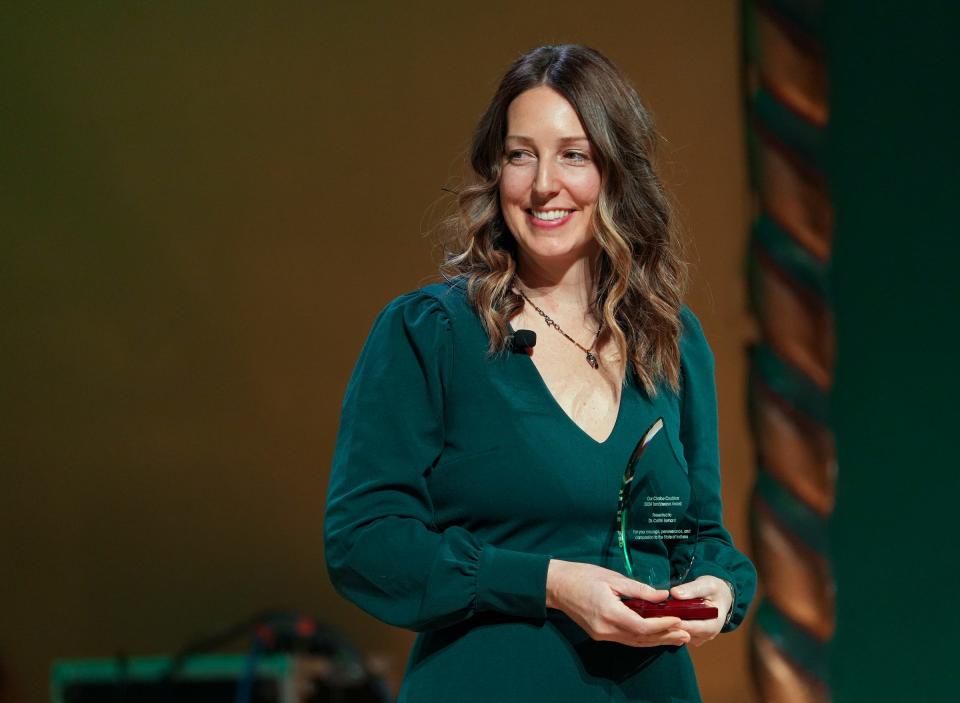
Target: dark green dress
457 476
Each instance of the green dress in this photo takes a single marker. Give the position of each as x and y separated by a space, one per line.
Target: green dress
457 476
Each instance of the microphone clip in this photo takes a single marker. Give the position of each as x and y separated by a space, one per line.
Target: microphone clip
523 341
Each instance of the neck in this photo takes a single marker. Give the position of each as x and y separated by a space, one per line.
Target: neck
567 285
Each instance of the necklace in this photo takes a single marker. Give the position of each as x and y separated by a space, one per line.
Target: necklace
591 357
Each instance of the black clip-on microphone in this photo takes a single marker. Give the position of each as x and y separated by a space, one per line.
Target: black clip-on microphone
523 340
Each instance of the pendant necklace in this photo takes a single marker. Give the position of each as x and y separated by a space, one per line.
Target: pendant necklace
591 357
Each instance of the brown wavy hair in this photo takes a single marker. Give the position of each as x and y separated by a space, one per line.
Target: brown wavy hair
639 275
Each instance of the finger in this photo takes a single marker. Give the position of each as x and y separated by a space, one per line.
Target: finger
673 638
700 628
697 641
630 621
703 587
654 626
638 589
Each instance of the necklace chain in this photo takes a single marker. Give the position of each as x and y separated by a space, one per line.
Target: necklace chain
550 322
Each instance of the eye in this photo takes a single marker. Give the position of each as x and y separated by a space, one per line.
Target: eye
576 157
519 156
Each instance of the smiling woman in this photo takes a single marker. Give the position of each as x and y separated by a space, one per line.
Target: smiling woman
550 185
474 490
561 111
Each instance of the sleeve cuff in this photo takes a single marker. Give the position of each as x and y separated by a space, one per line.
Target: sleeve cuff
514 583
733 602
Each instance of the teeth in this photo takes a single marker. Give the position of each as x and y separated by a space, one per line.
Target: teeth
549 214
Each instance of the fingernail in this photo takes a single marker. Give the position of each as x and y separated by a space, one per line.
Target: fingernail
681 592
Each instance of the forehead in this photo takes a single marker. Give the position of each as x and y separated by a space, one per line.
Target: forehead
542 113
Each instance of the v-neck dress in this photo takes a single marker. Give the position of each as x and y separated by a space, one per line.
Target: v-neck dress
456 478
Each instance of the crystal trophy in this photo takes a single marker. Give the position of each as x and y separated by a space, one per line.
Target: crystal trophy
657 526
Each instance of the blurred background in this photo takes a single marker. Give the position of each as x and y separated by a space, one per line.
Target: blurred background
202 208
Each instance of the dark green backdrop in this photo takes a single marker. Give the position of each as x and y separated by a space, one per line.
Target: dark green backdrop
894 151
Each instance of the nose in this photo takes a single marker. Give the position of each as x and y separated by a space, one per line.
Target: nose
546 183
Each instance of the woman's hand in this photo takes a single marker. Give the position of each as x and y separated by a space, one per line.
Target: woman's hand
591 596
716 592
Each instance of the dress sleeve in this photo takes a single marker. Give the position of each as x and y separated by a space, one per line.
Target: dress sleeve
383 548
716 555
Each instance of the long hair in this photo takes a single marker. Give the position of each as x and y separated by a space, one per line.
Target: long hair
639 276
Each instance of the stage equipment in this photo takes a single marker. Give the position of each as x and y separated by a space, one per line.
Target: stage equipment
292 659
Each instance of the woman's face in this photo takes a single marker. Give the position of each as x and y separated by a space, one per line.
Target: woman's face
549 184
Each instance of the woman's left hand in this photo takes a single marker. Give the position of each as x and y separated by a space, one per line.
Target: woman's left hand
716 592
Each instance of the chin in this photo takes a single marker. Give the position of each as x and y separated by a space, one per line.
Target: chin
559 251
547 246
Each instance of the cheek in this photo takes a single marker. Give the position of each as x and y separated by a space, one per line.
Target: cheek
513 186
585 187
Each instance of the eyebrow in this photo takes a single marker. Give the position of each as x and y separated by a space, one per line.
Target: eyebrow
562 140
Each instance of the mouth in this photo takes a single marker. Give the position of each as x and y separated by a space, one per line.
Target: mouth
548 218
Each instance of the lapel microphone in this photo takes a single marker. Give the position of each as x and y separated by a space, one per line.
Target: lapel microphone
523 340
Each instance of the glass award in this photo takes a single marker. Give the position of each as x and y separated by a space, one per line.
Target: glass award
658 527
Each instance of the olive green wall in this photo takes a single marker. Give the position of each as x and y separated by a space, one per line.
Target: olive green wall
201 210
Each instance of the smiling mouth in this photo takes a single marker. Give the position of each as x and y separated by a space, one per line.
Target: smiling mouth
548 215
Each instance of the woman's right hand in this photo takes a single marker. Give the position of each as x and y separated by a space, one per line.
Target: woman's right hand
591 596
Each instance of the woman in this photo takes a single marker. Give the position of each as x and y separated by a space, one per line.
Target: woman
474 484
